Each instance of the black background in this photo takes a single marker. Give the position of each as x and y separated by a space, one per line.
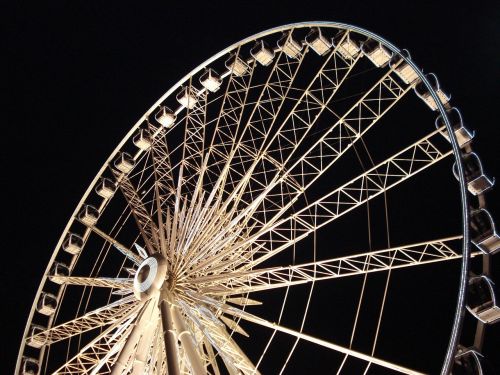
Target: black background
79 74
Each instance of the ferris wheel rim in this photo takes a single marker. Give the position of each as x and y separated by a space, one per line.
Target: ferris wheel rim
459 312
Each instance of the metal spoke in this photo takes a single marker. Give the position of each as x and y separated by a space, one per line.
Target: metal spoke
358 264
99 353
194 136
162 165
384 176
234 358
117 245
245 156
145 223
104 282
370 359
103 316
356 121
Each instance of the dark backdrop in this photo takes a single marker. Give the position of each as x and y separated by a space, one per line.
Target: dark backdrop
79 74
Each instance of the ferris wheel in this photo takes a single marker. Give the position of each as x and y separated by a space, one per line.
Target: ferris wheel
304 199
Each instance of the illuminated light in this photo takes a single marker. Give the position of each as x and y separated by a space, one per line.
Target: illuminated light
30 366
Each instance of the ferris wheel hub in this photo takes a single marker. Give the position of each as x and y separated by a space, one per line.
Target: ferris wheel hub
150 277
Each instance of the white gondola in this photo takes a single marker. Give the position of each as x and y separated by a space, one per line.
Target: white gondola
404 70
483 232
477 181
463 135
317 41
88 215
210 80
346 46
187 97
289 46
468 361
34 340
424 94
481 300
47 304
165 116
73 243
142 139
376 53
30 366
58 270
237 66
105 188
124 162
262 53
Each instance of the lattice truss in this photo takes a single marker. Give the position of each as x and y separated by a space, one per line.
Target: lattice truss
224 191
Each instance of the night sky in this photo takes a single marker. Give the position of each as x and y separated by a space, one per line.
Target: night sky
80 74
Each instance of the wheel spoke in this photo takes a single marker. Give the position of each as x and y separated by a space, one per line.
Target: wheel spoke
228 120
117 245
359 264
99 353
379 179
285 141
321 156
194 138
246 155
263 322
103 316
145 223
102 282
234 358
261 118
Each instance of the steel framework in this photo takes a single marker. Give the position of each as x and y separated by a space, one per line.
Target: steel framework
225 202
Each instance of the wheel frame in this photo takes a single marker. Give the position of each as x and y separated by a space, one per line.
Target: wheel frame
464 273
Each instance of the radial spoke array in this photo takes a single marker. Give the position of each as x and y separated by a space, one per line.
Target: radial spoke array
219 194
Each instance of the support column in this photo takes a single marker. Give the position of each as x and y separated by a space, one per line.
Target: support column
169 338
188 343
